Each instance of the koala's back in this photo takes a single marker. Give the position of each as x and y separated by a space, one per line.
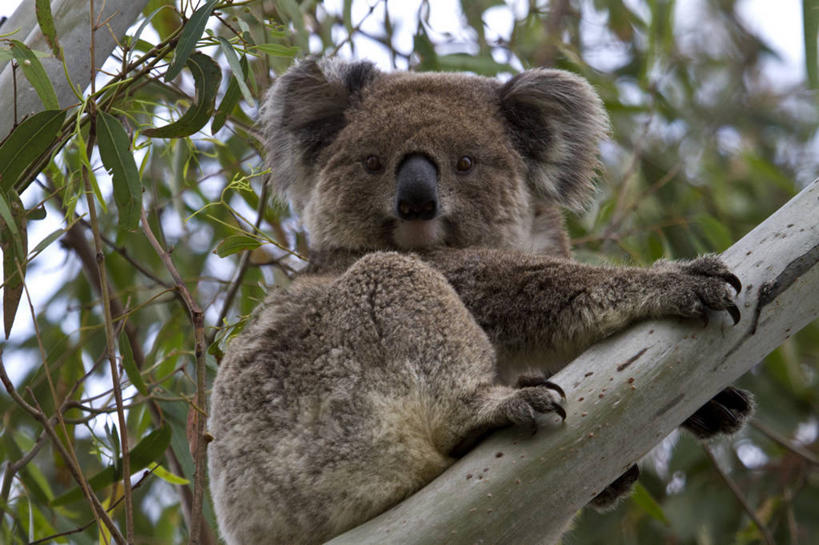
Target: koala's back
327 409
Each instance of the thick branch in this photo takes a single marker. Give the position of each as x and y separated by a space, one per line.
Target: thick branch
624 395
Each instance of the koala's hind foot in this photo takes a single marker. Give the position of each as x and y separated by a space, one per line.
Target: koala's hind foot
697 286
616 490
726 413
499 407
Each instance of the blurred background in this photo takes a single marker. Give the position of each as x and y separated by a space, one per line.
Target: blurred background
714 126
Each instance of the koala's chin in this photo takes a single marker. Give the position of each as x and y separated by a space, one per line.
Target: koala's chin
416 234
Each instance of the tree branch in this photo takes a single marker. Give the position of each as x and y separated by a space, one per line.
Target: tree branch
619 406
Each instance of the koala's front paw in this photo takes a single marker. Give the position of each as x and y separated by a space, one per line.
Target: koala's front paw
724 414
520 406
697 286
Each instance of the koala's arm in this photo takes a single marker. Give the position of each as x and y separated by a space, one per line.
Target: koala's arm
526 301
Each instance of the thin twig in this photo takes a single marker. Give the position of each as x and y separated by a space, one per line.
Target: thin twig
778 438
763 530
109 340
241 268
198 320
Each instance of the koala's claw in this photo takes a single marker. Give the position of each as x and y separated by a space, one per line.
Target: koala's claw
519 408
539 380
699 286
734 281
734 312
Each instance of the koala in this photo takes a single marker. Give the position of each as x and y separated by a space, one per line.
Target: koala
439 297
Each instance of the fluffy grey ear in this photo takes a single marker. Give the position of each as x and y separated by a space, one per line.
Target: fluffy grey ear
556 121
303 112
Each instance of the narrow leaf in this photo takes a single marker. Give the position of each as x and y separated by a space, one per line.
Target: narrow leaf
236 243
14 243
46 21
236 67
206 76
129 364
28 141
167 476
47 241
187 39
35 73
149 450
643 498
115 152
229 101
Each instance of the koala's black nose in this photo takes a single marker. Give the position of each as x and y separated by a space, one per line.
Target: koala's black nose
416 196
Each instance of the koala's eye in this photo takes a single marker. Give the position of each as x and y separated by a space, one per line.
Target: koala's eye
464 164
372 163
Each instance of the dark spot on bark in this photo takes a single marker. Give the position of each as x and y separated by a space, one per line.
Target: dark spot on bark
632 359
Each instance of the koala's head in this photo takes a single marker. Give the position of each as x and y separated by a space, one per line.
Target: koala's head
402 160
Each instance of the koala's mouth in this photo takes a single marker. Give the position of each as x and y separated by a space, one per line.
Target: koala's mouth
410 234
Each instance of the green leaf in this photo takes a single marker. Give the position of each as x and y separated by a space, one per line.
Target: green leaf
14 243
114 146
236 67
167 476
236 243
129 364
187 39
643 498
47 241
26 143
163 17
46 21
206 76
277 50
35 73
150 449
229 101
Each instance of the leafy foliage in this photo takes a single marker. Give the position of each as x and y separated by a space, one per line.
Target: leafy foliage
705 144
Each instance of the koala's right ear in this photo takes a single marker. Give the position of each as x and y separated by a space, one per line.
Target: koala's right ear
304 111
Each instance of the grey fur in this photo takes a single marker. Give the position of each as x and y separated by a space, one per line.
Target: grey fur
352 388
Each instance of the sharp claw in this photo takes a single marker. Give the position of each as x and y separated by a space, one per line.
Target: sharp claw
734 312
734 281
552 386
561 411
705 319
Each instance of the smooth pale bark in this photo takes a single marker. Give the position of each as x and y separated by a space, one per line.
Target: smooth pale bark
73 22
624 396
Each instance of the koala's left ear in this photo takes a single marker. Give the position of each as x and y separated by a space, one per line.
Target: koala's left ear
556 121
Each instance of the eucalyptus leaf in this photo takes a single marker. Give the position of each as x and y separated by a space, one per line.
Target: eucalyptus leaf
26 143
206 76
46 21
14 244
35 73
187 40
114 146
